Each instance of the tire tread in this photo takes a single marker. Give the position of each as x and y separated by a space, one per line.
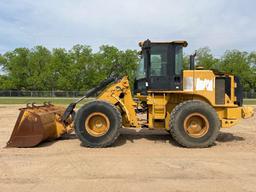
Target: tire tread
109 142
173 120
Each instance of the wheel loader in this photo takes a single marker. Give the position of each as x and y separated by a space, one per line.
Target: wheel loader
192 105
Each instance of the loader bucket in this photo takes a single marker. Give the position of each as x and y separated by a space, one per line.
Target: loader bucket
36 124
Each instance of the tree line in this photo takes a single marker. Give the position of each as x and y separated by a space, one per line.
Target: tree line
80 68
73 70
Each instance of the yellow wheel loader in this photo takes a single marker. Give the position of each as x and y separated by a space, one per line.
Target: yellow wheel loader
192 105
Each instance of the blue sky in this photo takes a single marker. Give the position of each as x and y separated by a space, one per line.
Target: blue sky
219 24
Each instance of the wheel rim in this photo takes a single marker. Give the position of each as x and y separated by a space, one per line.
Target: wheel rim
196 125
97 124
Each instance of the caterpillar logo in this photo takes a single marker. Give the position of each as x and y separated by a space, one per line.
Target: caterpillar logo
204 84
200 84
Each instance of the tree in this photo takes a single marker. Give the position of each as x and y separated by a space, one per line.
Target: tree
186 62
38 61
108 61
205 58
81 71
57 69
239 64
111 61
16 66
252 62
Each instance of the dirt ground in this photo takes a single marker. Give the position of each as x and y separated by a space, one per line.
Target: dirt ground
140 160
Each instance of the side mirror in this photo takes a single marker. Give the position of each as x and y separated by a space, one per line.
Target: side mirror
192 61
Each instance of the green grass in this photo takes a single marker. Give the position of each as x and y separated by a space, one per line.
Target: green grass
63 101
250 101
37 100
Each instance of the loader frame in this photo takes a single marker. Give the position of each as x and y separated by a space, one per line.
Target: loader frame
161 103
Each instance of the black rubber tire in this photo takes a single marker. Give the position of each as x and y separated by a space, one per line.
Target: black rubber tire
107 109
178 115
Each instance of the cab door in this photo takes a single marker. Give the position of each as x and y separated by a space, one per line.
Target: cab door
165 68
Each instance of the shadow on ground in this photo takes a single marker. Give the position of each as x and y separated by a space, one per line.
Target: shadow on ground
228 137
64 137
156 136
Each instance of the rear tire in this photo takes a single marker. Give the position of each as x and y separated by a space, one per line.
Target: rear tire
97 124
194 124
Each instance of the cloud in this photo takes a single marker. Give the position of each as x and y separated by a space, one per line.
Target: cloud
219 24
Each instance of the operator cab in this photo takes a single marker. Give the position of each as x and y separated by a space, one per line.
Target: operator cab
160 67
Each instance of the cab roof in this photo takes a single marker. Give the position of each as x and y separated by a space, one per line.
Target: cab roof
180 42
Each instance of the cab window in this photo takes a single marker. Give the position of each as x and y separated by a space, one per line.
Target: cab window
178 60
158 59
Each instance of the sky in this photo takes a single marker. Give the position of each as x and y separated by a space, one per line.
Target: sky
218 24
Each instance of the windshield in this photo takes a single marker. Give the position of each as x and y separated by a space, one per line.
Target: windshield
141 72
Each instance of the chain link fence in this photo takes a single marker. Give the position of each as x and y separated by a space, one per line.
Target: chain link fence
71 94
15 93
250 95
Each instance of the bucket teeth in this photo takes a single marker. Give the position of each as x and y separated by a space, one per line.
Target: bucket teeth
33 105
36 124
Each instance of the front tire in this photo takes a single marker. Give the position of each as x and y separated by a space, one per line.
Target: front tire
194 124
97 124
